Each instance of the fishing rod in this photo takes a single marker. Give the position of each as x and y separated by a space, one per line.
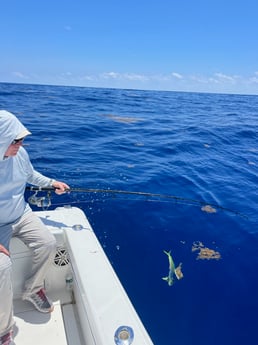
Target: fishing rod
46 202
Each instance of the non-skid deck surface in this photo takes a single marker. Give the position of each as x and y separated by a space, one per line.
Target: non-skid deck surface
35 328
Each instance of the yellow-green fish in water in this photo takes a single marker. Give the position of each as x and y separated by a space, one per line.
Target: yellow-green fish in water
172 270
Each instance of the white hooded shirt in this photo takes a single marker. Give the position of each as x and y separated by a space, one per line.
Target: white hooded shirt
15 172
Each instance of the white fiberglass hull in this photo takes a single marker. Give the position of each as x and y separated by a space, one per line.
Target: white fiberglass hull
90 302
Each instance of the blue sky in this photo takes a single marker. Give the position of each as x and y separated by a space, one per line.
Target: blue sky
202 46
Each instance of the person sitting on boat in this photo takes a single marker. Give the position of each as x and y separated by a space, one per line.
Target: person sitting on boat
17 219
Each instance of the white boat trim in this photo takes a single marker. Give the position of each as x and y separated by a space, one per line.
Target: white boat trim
88 310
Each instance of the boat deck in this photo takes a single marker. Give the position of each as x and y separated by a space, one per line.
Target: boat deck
91 305
57 328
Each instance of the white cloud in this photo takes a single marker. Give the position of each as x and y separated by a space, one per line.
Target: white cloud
177 75
160 77
124 76
224 77
216 82
67 74
199 79
20 75
110 75
132 76
88 77
213 80
254 79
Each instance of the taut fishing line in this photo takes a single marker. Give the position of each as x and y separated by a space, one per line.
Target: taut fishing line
45 202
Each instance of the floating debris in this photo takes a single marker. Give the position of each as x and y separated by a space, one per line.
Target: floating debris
122 119
205 253
177 271
208 209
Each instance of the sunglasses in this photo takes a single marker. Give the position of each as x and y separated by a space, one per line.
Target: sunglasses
16 141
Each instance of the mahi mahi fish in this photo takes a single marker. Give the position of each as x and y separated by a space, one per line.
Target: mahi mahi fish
172 270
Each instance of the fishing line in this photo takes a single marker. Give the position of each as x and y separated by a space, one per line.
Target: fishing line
114 192
79 201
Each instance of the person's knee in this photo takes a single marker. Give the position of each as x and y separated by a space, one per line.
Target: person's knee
51 245
46 246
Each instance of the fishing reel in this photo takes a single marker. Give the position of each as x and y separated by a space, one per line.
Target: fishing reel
40 201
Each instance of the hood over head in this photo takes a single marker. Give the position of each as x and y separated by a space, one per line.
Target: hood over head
10 128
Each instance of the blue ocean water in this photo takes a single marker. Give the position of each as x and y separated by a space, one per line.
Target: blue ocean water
201 147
